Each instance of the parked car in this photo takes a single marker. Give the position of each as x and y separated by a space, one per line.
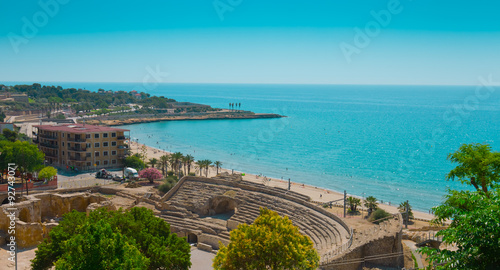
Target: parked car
103 174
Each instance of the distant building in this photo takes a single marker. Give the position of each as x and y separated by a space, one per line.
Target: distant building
4 125
20 98
84 147
14 97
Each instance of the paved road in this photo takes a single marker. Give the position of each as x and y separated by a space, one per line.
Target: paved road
413 249
201 260
83 180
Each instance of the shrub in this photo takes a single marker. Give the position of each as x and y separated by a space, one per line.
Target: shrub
378 214
192 174
165 187
168 184
170 173
151 174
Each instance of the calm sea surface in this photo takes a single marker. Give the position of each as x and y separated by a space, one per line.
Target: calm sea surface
390 142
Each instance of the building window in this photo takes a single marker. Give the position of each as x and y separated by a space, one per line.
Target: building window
97 163
89 145
105 162
113 153
63 153
69 145
105 135
63 135
63 144
105 144
113 161
96 145
96 154
96 135
105 153
113 134
113 143
87 136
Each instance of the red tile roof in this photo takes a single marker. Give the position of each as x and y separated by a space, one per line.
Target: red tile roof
78 128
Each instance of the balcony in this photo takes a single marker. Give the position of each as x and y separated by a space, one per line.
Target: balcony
77 158
47 136
49 145
77 149
52 155
123 146
78 140
122 137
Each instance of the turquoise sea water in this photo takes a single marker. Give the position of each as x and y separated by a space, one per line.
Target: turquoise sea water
390 142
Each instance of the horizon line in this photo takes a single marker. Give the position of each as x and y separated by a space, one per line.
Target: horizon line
249 83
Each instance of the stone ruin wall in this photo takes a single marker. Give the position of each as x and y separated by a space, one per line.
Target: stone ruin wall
369 245
36 214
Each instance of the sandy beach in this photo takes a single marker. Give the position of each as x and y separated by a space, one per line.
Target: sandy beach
317 194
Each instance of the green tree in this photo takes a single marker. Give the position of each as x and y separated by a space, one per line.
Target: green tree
10 135
24 155
189 160
134 162
176 159
402 209
153 162
218 164
204 164
164 164
271 242
353 204
2 116
98 247
474 215
47 173
135 228
371 204
477 166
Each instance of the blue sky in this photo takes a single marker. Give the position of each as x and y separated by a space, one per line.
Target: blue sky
242 41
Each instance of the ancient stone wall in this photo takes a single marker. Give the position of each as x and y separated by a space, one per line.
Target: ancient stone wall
378 246
36 213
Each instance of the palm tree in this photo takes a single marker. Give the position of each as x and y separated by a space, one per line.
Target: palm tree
189 160
207 166
218 164
353 204
177 157
371 204
153 162
204 164
402 208
201 165
164 164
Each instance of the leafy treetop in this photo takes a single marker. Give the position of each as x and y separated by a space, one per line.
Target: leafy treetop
271 242
477 166
119 234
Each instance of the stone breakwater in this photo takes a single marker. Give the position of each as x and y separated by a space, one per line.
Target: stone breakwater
137 119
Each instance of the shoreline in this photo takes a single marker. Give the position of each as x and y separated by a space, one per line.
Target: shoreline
317 194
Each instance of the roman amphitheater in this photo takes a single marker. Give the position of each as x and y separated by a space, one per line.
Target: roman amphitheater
205 210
